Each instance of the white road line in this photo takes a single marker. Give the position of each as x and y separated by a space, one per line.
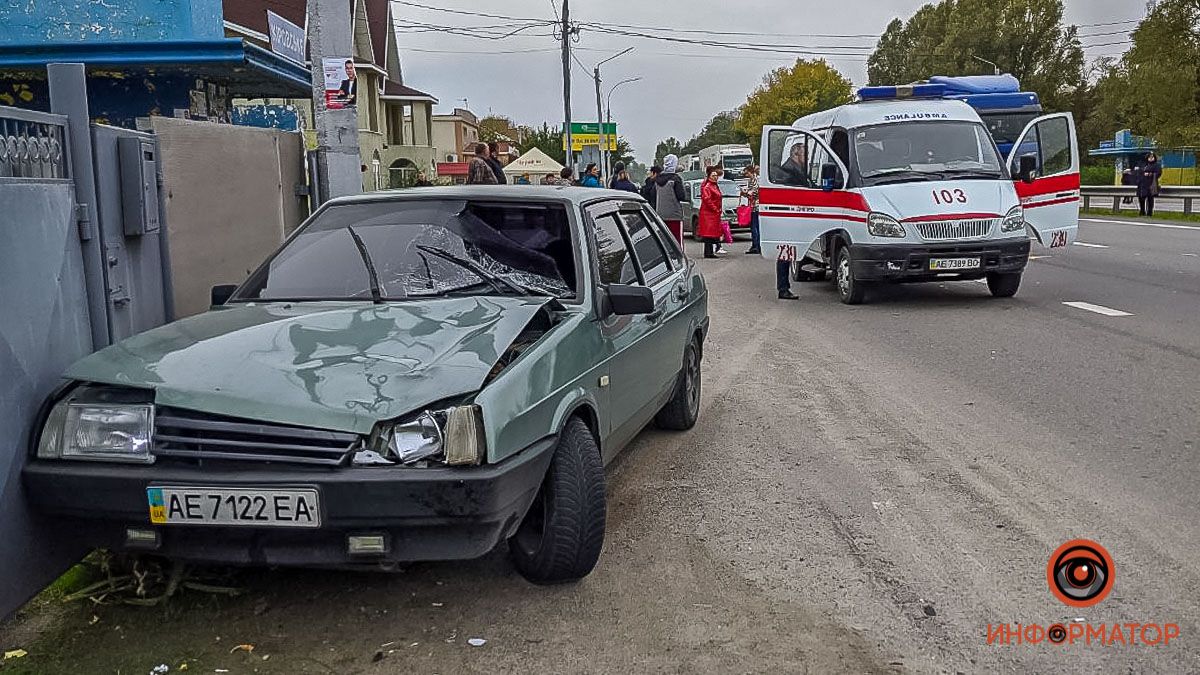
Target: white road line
1080 243
1130 222
1098 309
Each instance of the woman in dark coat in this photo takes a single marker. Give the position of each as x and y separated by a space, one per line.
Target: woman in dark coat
1147 176
709 226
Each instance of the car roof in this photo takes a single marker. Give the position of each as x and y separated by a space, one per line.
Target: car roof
868 113
577 196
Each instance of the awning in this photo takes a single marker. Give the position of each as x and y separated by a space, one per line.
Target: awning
533 162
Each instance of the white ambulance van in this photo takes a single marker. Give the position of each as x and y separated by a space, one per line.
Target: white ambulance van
902 186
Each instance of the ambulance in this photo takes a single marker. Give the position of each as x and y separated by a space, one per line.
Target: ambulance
906 186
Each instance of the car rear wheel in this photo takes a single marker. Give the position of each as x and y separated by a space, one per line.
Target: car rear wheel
560 538
680 413
851 290
1004 285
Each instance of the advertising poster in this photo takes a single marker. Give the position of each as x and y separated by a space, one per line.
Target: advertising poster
341 83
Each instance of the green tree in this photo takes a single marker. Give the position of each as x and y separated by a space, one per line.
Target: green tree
720 130
1157 85
1024 37
670 146
623 153
548 139
788 93
499 128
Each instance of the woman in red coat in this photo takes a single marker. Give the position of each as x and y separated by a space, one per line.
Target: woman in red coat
709 226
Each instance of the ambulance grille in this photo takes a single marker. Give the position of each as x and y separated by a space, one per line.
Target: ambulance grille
953 230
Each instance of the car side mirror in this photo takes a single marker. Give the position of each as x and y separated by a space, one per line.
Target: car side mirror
1027 170
626 300
221 293
829 177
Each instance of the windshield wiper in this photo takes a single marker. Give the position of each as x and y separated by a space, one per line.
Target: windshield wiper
972 173
902 176
376 294
494 280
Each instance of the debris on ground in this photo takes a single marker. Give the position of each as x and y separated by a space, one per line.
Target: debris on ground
160 669
477 642
147 581
248 648
15 654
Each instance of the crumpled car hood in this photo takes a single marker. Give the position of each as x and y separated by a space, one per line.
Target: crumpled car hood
339 366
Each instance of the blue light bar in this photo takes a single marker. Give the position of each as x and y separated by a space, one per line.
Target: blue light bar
890 93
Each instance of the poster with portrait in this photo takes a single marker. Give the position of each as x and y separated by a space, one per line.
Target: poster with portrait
341 83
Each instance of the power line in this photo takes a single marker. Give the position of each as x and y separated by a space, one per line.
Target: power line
462 12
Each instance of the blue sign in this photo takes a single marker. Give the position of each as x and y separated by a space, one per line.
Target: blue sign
287 39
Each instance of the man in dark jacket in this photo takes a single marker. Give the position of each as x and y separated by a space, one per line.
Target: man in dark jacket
494 163
621 180
479 172
650 188
669 197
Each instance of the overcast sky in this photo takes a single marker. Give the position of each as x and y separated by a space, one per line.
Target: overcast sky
682 85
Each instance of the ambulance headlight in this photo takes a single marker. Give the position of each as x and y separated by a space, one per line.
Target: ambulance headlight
1015 220
883 225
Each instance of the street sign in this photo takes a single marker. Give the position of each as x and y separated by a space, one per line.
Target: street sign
287 39
584 134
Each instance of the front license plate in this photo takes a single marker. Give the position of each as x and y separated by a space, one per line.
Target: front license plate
251 507
954 263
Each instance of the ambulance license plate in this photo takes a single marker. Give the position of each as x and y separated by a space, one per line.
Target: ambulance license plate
247 507
944 264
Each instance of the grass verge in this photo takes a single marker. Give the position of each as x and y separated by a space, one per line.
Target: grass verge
1159 215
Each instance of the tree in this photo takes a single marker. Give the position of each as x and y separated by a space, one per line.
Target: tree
500 128
721 129
1157 85
1024 37
623 153
788 93
548 139
671 146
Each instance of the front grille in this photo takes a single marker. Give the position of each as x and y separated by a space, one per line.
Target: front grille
192 435
948 230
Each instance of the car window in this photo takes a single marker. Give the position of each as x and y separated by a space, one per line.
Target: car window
422 248
651 256
674 252
1054 146
613 262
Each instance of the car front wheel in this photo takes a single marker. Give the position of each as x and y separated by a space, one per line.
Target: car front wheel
1004 285
851 290
560 538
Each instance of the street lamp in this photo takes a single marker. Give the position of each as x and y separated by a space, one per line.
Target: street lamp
607 157
600 114
995 67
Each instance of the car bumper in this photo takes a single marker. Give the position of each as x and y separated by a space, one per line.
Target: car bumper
910 262
423 514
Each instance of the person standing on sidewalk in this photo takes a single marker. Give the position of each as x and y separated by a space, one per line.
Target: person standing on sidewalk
621 180
708 227
669 197
1148 176
591 176
649 188
494 162
479 172
750 192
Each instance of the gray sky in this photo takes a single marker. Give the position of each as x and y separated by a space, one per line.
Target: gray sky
682 85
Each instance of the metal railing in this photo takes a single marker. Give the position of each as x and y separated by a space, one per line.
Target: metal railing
32 144
1186 193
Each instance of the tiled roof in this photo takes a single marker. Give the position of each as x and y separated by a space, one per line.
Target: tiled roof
393 89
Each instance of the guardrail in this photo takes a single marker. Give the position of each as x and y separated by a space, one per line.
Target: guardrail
1187 193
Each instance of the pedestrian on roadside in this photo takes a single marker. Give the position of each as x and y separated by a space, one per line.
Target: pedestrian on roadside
669 197
479 172
591 176
566 177
523 179
750 192
550 179
494 162
621 180
422 180
1148 176
708 228
649 188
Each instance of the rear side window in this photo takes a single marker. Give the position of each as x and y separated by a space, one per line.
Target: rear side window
651 256
674 252
613 261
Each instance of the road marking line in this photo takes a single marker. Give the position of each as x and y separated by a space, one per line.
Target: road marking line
1098 309
1037 257
1130 222
1080 243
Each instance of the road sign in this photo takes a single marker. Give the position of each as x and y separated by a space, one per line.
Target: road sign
588 134
287 39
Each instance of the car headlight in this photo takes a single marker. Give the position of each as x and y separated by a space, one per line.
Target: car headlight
1014 220
883 225
453 437
102 432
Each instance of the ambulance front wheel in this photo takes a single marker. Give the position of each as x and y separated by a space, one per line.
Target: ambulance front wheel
1004 284
851 290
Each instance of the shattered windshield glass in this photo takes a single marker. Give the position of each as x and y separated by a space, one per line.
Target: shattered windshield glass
422 248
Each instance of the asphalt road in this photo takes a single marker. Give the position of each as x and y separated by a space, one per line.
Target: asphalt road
867 490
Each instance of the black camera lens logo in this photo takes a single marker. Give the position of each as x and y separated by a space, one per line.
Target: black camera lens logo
1080 573
1057 633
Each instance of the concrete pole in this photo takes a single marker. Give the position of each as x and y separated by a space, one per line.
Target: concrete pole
330 35
566 63
603 136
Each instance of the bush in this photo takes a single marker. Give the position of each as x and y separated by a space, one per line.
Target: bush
1097 175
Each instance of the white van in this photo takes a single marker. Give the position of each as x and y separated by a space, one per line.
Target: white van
915 190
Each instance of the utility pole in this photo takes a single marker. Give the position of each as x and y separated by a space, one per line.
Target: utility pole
600 116
338 166
566 59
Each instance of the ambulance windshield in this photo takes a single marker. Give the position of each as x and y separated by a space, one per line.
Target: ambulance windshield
925 151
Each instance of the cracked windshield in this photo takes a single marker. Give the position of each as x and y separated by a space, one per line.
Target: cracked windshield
551 336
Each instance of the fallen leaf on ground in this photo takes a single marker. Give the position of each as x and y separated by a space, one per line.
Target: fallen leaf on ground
15 654
249 649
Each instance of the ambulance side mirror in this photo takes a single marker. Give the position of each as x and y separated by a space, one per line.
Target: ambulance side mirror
1027 169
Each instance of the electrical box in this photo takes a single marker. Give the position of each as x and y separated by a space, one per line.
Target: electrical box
139 185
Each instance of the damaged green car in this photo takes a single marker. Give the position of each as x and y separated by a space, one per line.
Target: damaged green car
416 375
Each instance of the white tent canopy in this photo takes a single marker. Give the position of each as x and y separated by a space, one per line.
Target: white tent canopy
535 163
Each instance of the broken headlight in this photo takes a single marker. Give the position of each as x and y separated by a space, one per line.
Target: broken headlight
450 437
103 431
